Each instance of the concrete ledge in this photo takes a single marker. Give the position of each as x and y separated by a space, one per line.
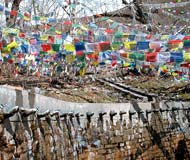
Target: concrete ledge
14 96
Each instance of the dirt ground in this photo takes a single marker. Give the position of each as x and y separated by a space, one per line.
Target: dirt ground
96 92
91 93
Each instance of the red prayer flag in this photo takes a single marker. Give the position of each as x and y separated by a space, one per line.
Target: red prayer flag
46 47
109 31
151 57
79 53
186 38
51 39
22 35
67 23
114 62
13 13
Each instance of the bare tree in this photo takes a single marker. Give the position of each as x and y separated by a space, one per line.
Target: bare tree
10 20
131 10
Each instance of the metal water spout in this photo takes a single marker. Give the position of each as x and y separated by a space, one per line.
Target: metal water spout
101 115
140 114
147 114
121 113
131 113
71 116
101 120
27 112
112 114
12 112
43 114
78 115
89 116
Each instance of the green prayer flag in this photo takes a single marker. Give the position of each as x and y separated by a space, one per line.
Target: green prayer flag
20 15
104 18
75 25
114 25
81 58
73 5
43 53
59 69
36 18
55 47
52 29
118 34
116 45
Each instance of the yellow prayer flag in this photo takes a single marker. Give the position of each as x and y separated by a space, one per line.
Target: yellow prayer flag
126 64
69 47
51 52
58 32
43 18
70 58
79 32
130 45
109 20
95 63
44 37
125 35
180 45
186 56
164 37
174 74
82 72
12 45
26 18
84 28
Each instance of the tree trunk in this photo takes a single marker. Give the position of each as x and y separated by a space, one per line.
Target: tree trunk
139 15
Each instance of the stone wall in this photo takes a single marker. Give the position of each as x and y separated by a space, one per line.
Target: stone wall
151 134
92 131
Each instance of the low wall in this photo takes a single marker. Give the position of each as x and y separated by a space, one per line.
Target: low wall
163 135
18 97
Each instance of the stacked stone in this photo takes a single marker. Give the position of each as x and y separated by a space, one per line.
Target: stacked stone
28 134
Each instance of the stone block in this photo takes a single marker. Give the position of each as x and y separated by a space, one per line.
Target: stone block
118 139
102 151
